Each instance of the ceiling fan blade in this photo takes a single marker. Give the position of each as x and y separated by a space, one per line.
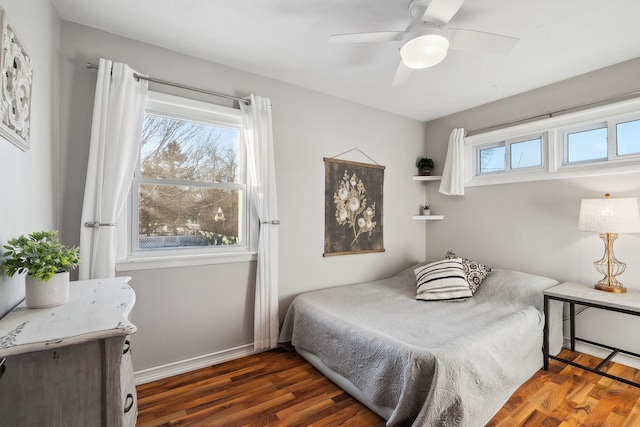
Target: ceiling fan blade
481 41
379 36
402 75
440 12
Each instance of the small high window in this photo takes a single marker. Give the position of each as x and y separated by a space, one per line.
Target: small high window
492 159
526 154
628 138
510 155
589 142
587 145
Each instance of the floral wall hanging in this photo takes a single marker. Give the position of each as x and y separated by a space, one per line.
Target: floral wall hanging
15 87
353 207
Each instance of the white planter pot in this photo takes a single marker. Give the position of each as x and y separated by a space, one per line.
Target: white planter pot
47 294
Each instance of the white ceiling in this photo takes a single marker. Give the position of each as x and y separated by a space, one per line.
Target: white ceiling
288 40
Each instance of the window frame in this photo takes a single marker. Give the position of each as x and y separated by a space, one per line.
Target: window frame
635 117
584 127
554 154
130 257
478 155
507 144
543 137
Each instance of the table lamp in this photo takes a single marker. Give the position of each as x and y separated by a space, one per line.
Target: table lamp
608 217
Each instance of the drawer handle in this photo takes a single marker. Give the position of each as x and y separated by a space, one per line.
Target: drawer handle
127 347
3 366
128 403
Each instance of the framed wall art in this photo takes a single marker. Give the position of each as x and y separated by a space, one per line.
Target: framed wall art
353 207
15 87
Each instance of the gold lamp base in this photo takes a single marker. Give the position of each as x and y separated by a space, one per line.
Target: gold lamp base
616 289
610 267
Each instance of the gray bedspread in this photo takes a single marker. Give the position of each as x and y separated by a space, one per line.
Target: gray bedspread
436 363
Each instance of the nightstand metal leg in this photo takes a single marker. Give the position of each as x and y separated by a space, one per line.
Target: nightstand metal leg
545 335
572 325
575 293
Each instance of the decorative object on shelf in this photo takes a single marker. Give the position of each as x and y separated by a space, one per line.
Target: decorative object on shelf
353 207
608 217
15 87
425 210
46 263
425 165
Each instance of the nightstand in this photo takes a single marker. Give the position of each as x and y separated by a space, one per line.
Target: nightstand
577 293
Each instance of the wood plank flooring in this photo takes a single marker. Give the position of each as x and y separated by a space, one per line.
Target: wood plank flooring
279 388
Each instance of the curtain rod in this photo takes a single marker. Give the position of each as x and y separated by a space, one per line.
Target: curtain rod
554 113
178 85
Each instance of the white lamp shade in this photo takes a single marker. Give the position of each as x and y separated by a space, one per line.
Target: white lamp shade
609 215
424 51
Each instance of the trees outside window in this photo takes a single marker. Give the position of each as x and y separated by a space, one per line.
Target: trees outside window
189 188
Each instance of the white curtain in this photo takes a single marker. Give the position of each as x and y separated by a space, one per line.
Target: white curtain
118 111
258 137
452 183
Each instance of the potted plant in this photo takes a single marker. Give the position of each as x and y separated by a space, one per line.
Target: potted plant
424 165
46 263
425 210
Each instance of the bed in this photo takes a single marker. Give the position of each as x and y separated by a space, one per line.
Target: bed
426 363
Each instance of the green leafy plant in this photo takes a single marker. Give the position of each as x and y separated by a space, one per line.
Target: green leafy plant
40 255
425 163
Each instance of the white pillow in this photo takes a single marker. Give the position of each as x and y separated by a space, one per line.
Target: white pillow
442 280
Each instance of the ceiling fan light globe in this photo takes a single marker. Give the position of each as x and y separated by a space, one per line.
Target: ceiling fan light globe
424 51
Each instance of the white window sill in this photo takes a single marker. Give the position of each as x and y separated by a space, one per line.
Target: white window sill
611 167
173 261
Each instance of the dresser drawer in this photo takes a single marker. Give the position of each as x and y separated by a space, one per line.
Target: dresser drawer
127 381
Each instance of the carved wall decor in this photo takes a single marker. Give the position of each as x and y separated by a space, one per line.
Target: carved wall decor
15 90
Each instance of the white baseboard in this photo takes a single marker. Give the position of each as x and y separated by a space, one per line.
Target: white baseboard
601 353
181 366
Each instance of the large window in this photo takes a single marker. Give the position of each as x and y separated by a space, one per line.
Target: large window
596 141
189 193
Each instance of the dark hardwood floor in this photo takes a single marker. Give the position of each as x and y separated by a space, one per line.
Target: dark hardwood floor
279 388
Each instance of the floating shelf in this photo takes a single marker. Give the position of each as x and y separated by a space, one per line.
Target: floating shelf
426 178
428 217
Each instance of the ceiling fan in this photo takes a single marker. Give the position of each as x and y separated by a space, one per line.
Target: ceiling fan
427 39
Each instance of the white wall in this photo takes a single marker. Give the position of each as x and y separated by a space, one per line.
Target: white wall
533 226
28 190
190 312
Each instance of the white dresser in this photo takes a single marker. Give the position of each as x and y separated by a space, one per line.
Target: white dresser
70 365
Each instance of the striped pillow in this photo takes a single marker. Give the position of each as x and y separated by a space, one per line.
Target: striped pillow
442 280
